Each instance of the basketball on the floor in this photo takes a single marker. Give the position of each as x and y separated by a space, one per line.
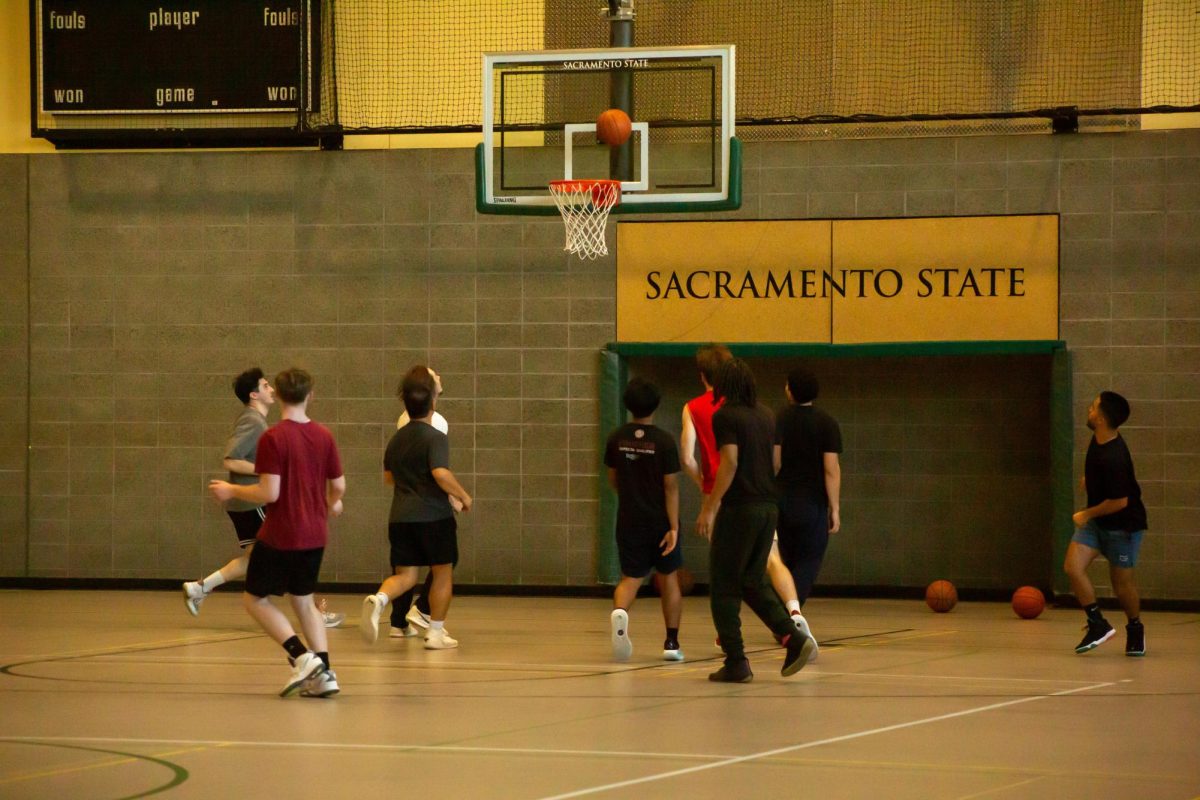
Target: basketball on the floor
1028 602
941 596
613 127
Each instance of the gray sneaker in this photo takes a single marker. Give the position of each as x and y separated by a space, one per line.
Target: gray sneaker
332 619
323 684
305 667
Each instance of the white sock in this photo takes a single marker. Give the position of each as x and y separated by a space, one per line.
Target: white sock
382 599
437 624
212 581
793 606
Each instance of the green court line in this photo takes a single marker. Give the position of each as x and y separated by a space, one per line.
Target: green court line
179 774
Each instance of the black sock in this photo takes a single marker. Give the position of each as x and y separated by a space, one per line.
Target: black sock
295 648
1135 621
673 635
422 605
324 659
1093 613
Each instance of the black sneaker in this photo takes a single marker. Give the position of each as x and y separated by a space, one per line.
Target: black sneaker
1135 639
736 672
799 650
1098 632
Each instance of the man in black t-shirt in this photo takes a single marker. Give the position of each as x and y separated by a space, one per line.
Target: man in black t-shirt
643 468
421 526
807 443
738 517
1112 524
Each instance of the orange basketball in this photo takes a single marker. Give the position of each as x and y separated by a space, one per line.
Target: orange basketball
941 596
613 127
1028 602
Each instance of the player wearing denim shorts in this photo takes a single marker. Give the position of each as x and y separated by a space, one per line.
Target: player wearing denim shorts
1111 525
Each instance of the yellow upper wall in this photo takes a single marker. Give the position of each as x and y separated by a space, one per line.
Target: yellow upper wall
14 81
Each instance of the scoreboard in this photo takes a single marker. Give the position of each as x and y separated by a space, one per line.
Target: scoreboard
174 56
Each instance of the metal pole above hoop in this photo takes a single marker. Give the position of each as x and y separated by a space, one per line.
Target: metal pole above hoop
620 15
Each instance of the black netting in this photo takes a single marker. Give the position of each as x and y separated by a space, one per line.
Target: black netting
416 65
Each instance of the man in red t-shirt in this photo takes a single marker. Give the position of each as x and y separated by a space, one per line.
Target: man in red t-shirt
301 482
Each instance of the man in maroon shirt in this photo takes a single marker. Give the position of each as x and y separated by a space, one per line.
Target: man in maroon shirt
301 482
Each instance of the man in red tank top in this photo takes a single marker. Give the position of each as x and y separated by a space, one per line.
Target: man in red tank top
697 420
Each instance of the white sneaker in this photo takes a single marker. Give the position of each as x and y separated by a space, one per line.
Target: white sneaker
439 640
672 653
323 684
332 619
368 625
193 596
305 667
802 624
407 632
418 617
622 648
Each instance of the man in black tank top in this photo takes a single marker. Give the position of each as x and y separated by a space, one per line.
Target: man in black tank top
1112 524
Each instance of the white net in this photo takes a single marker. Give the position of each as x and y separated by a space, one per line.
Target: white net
584 206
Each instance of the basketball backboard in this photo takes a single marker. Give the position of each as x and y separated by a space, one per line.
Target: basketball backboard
539 125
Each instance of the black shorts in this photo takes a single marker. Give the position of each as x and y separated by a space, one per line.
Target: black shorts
246 525
279 572
639 552
423 544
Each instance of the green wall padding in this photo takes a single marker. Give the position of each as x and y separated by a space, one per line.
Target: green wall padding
612 416
1062 443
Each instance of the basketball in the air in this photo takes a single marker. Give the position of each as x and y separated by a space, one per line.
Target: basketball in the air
1028 602
941 596
613 127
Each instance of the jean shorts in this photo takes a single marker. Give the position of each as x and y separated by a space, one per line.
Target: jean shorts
1119 547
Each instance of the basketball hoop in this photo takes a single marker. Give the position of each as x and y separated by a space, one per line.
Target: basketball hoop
584 205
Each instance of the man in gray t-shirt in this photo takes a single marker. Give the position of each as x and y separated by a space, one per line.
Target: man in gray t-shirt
240 453
256 394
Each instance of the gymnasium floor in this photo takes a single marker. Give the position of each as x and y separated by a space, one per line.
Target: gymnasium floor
123 695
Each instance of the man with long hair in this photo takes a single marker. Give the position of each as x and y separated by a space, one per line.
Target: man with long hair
738 517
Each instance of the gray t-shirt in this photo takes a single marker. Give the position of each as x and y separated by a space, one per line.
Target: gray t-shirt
243 446
412 455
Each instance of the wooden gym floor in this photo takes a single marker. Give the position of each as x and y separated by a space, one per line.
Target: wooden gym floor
123 695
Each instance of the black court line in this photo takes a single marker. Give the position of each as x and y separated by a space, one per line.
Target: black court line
179 774
11 669
8 669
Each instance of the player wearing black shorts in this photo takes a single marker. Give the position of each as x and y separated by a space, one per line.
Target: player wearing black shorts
421 526
257 397
300 480
643 465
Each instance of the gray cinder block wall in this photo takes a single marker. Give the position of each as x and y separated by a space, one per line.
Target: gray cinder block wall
154 278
